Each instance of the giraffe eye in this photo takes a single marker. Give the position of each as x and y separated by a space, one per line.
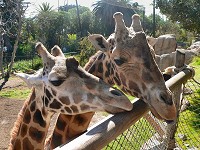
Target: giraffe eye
119 61
57 82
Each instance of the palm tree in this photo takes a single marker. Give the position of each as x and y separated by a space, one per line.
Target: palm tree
44 7
104 10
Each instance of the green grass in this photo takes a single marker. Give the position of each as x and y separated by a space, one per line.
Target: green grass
189 120
15 93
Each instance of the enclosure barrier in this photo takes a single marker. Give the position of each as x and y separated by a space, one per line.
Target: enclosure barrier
101 134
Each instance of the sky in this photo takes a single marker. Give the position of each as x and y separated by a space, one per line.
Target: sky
88 3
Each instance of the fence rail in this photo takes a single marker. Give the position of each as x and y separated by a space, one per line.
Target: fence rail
100 135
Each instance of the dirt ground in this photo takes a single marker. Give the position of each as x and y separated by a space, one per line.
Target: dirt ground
9 109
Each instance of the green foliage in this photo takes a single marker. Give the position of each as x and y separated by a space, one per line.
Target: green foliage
185 12
104 10
28 66
87 50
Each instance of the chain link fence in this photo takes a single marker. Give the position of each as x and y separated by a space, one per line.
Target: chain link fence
148 132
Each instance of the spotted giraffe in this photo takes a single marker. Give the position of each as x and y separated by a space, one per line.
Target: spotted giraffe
125 59
63 87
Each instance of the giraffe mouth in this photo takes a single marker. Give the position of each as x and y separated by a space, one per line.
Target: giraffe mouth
158 116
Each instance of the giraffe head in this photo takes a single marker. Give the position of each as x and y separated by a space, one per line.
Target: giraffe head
133 66
65 87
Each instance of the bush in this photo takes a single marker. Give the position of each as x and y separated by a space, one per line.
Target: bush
27 66
87 50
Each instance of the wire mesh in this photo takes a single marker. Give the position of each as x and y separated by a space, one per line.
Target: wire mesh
148 132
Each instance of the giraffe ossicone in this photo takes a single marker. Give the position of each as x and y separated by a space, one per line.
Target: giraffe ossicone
61 86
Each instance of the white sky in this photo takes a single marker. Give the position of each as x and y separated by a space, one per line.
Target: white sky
34 4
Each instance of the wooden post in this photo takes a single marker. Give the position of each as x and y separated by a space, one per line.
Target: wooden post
177 96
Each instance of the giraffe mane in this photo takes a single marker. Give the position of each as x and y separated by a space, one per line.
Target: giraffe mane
19 120
91 60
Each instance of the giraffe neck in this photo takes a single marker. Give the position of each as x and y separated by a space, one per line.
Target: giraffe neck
31 127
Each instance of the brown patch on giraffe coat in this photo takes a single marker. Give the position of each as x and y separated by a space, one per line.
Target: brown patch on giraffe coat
134 86
37 118
77 97
27 117
74 109
65 100
61 124
68 110
84 107
24 129
48 94
27 144
32 107
36 134
56 139
17 145
54 92
100 67
80 120
55 104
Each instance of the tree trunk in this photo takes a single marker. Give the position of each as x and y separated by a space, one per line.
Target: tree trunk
1 57
20 12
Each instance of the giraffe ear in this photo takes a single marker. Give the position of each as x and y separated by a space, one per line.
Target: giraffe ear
71 62
30 80
99 42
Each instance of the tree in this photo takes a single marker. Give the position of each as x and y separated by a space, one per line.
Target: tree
104 10
12 12
185 12
45 7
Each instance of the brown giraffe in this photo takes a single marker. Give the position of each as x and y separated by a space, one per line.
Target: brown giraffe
127 60
63 87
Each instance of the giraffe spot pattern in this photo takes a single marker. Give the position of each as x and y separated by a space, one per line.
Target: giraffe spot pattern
24 130
84 107
36 134
134 86
57 139
27 117
77 97
80 120
32 107
17 145
100 67
61 124
74 109
54 92
48 94
55 104
67 109
37 118
65 100
27 144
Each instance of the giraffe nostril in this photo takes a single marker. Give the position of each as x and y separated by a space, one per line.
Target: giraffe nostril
165 98
116 92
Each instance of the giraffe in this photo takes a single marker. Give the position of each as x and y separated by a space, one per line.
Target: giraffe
63 87
127 60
